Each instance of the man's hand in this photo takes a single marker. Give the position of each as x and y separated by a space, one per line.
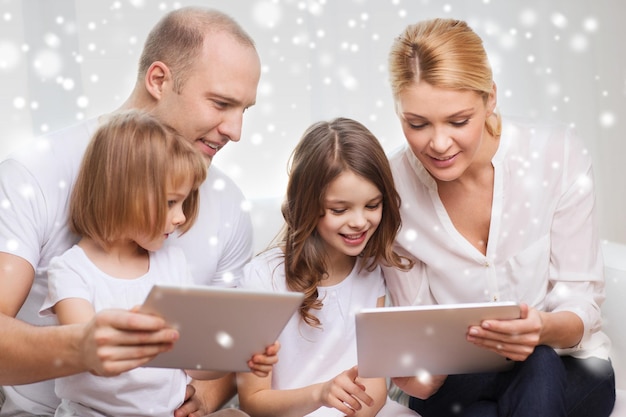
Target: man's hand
116 341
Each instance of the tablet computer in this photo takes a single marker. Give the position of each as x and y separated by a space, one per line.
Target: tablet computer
422 340
220 328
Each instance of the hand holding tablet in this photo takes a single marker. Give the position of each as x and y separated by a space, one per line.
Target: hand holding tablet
220 328
420 340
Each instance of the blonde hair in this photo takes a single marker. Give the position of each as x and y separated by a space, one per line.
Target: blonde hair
178 38
445 53
121 188
326 150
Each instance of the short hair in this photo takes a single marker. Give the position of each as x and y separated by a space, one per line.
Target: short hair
445 53
121 188
177 40
326 150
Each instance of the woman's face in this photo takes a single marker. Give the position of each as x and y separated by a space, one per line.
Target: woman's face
444 127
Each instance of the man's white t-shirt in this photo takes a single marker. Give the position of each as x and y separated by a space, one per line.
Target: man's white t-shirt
35 185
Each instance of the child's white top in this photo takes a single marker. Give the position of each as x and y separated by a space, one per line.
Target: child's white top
311 355
149 391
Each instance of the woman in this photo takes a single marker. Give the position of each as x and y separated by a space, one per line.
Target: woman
496 210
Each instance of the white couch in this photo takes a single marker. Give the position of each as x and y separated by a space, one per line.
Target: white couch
267 220
614 311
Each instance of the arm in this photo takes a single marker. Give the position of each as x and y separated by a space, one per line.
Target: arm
571 309
347 392
207 396
418 387
211 396
112 342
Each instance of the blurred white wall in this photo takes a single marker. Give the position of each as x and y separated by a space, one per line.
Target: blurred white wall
64 60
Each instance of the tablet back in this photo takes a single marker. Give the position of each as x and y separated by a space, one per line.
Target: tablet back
421 340
220 328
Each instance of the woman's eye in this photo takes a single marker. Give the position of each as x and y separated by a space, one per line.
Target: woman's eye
337 211
417 126
373 206
460 123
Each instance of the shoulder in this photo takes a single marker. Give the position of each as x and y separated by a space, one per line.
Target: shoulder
218 182
550 141
73 255
56 147
536 134
220 194
265 270
51 160
397 155
72 261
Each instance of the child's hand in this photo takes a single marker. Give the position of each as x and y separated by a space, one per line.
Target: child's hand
261 364
345 393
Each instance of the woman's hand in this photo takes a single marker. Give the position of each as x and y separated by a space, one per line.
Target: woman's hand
515 339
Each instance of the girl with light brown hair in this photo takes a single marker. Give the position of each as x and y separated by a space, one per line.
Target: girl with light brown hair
341 217
137 185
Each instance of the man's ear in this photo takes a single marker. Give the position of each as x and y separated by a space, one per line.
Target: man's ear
156 78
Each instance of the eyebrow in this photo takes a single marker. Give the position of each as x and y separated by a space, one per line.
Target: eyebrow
451 116
231 100
338 201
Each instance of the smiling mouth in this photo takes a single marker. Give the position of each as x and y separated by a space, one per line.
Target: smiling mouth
210 145
444 158
354 236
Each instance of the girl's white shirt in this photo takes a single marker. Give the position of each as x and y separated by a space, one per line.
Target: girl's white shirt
153 391
311 355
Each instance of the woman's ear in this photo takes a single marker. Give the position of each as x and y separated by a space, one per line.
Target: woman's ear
492 100
156 78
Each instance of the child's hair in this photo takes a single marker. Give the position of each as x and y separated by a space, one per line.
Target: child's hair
445 53
326 150
121 189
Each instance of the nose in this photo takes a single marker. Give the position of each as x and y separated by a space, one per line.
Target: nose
357 220
178 219
231 125
440 141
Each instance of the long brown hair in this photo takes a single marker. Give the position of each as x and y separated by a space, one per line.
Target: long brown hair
121 188
325 150
445 53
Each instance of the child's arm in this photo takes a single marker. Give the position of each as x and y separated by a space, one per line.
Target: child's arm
348 393
420 388
73 311
260 364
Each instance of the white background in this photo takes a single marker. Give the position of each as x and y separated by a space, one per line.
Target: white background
65 60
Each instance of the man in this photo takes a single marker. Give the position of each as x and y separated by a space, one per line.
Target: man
198 73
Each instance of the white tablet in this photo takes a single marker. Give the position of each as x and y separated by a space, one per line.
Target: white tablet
220 328
422 340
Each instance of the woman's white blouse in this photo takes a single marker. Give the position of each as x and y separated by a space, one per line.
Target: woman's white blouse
543 246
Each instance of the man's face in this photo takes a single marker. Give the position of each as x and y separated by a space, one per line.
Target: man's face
221 85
